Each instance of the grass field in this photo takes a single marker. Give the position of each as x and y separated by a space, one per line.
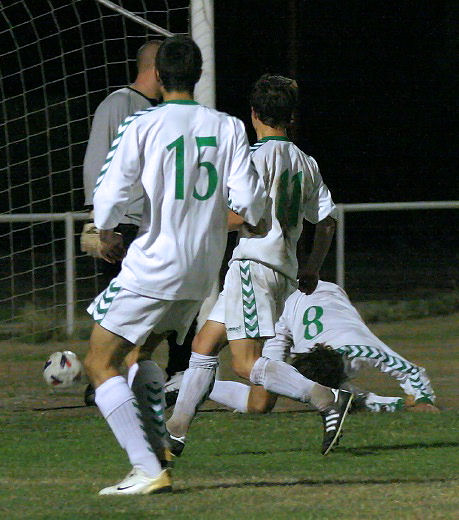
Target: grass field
56 454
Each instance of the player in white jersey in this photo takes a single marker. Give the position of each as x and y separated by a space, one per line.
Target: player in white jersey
143 93
263 271
192 162
327 317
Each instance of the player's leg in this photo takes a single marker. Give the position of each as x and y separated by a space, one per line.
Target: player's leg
413 379
146 380
260 400
178 360
118 405
197 381
281 378
232 394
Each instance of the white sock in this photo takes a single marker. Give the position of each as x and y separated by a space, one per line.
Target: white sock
148 387
283 379
196 385
232 394
117 404
131 373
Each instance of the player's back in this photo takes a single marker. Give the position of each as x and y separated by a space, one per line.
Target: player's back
188 156
296 192
325 316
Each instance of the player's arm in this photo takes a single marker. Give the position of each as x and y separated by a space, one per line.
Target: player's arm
278 348
103 130
111 246
320 211
235 221
121 171
246 190
309 273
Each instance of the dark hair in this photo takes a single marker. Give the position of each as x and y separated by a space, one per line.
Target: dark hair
274 98
179 63
322 364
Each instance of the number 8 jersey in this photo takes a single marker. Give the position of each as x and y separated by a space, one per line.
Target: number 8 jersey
295 191
193 163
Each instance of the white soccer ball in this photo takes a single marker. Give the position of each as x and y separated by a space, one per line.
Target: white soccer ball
62 369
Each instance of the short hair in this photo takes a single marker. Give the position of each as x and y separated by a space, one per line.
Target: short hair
179 63
273 99
322 364
146 55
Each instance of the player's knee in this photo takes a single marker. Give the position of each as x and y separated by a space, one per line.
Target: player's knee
204 345
259 407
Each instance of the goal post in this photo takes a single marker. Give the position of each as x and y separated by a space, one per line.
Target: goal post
58 61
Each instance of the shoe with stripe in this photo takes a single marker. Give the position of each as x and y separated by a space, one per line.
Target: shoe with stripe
333 418
138 483
176 445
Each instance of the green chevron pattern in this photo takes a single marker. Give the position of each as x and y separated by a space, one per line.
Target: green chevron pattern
121 130
249 305
391 362
105 300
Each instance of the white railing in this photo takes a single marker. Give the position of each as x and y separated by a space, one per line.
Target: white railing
70 217
376 206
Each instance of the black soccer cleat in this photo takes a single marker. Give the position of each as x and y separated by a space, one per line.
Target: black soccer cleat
171 398
176 444
333 418
90 396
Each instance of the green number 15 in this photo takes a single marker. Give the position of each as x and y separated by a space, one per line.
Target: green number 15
201 142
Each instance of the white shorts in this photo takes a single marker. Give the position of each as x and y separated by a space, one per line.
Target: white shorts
134 317
252 300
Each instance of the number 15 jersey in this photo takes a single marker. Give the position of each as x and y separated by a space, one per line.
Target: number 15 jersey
193 163
295 191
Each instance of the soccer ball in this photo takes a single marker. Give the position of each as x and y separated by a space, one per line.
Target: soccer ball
62 369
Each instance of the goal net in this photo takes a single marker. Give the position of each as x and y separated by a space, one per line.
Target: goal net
58 61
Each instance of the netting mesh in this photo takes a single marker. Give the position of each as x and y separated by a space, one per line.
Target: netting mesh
58 61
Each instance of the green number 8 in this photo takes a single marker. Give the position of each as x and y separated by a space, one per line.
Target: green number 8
310 331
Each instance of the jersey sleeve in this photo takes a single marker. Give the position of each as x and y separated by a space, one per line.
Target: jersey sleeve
278 348
104 129
121 171
319 203
246 191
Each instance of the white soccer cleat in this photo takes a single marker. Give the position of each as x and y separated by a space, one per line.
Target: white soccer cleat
138 483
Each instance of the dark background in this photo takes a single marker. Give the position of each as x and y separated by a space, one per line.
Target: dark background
378 87
378 84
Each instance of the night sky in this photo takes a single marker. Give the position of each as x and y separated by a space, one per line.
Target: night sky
377 84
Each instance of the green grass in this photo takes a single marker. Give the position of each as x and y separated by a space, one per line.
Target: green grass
56 455
237 466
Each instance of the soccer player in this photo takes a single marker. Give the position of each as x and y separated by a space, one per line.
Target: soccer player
143 93
193 163
327 317
263 271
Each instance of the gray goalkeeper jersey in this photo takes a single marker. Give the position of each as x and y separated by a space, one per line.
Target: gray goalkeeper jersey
108 116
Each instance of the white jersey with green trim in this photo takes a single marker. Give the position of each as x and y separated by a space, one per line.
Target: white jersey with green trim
296 191
193 163
325 316
108 116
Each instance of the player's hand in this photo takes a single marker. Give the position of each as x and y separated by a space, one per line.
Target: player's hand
411 405
90 240
307 282
111 246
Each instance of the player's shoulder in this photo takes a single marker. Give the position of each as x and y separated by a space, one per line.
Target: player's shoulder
230 120
115 97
